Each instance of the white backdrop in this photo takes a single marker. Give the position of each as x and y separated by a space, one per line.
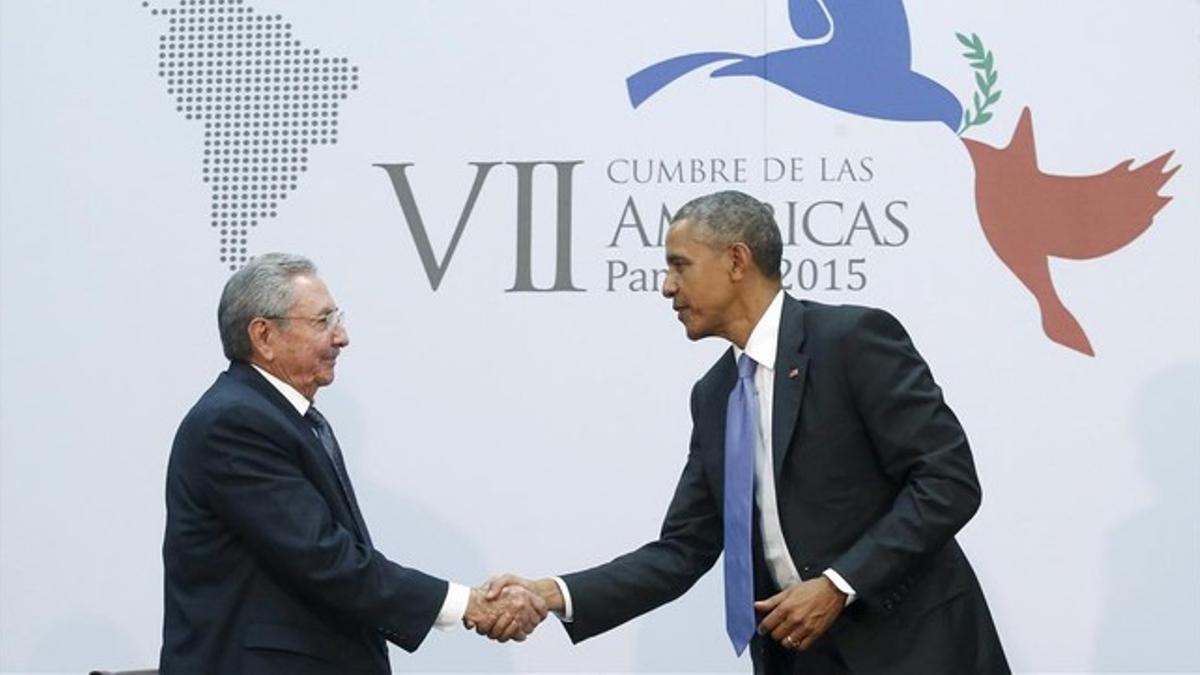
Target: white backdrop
541 432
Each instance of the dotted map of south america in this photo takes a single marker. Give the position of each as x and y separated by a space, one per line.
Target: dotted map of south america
263 99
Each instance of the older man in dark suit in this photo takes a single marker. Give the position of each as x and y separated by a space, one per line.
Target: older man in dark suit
826 465
269 567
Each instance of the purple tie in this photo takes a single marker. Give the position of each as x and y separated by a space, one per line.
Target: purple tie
741 435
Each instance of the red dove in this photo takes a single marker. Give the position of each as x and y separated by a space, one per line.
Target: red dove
1028 215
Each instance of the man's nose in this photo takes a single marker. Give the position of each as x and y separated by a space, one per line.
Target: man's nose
341 337
670 288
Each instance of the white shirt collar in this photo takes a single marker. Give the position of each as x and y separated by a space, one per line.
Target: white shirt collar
764 339
289 392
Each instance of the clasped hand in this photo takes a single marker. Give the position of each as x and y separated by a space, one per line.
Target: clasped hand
509 613
798 615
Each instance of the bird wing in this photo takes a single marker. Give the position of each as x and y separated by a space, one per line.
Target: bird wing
1107 210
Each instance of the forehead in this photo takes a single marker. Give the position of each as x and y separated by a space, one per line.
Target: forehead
309 292
685 238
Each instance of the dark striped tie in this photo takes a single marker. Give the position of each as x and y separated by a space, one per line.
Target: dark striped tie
324 433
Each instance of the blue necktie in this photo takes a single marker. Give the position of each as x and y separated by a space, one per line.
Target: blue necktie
741 436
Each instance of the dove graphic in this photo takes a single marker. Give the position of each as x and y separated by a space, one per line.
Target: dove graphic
1029 216
853 56
856 56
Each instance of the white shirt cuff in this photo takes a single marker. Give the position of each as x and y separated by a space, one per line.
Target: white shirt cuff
454 608
568 613
842 584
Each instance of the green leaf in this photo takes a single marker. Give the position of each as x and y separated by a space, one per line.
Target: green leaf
986 77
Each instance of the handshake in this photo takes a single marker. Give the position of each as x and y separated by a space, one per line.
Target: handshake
508 607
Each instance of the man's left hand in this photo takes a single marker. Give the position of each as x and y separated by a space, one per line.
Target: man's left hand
799 614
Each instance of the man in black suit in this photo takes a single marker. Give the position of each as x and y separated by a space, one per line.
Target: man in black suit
823 428
268 564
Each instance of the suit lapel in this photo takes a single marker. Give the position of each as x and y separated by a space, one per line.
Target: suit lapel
791 369
348 493
246 374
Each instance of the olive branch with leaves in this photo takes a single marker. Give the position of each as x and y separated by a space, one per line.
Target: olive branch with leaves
985 79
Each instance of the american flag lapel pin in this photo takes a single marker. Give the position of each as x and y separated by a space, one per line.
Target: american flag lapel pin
793 373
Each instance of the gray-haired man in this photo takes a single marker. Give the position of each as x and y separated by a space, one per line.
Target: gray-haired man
269 567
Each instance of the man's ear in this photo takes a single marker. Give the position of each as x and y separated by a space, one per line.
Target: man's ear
741 261
262 332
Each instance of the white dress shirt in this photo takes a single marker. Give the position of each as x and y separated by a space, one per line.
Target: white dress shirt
762 346
454 607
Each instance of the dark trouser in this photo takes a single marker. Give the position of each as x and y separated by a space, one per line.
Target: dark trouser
820 659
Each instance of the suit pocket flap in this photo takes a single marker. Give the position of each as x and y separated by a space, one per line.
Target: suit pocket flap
932 601
290 639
